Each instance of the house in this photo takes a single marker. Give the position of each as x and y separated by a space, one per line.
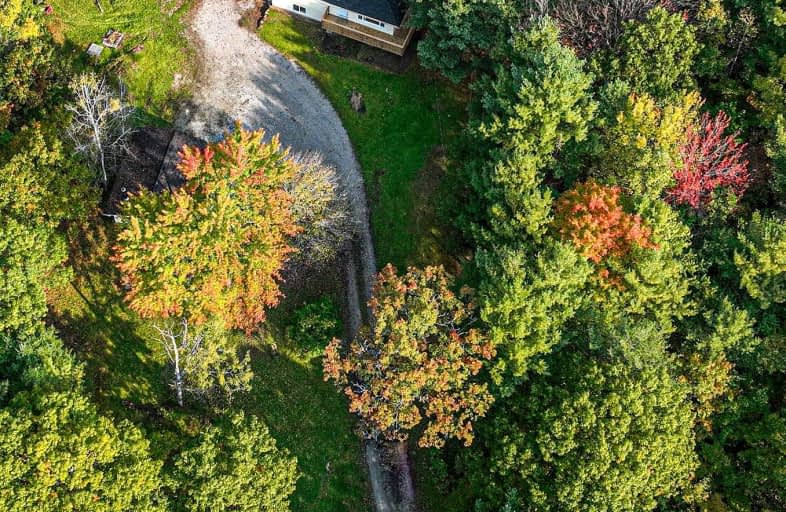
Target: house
377 23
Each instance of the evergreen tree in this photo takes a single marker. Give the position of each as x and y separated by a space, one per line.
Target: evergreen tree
57 453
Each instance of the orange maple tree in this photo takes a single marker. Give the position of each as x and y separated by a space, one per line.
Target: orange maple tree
214 247
591 216
417 363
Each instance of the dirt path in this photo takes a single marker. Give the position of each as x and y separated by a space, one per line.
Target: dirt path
244 78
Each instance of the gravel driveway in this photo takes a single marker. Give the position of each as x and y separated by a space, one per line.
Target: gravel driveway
245 79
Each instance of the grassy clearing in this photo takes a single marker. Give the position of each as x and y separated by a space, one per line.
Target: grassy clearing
126 371
407 116
156 25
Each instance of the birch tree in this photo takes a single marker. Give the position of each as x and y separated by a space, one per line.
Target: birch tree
101 123
202 364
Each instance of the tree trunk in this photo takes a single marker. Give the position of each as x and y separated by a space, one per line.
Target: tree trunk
178 374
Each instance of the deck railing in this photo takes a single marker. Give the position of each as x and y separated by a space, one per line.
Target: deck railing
396 43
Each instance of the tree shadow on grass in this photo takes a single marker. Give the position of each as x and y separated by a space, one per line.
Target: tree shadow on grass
123 367
309 418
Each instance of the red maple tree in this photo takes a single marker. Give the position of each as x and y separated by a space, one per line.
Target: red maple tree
591 216
709 160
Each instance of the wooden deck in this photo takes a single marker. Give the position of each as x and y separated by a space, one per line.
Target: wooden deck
397 43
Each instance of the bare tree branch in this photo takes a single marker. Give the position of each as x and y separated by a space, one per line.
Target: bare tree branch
101 124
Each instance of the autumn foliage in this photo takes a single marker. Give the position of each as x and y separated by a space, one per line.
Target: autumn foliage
214 247
709 160
417 363
591 216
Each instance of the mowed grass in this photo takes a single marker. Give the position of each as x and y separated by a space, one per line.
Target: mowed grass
127 373
407 116
155 27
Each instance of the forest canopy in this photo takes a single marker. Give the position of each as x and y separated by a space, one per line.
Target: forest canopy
607 334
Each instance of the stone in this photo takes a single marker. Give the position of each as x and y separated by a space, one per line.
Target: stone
356 99
94 50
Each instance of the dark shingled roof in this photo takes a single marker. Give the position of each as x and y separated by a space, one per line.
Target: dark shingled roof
389 11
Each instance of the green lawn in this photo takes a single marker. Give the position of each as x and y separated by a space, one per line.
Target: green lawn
126 372
407 116
156 25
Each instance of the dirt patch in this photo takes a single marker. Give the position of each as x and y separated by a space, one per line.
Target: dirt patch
335 44
253 12
140 169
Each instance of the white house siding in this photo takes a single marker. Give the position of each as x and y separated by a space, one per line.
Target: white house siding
315 9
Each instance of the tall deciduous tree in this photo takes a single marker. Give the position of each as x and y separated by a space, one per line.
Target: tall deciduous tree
709 160
320 208
234 466
592 218
203 365
642 147
216 246
417 364
56 452
596 433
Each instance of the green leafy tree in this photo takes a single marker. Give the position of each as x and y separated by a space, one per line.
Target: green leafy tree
30 72
417 364
40 190
707 343
313 325
463 35
213 248
596 433
762 262
56 452
30 258
656 56
234 466
744 455
527 299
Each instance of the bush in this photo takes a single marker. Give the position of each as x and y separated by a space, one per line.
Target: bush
314 325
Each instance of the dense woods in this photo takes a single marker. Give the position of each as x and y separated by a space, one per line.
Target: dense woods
615 339
625 207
